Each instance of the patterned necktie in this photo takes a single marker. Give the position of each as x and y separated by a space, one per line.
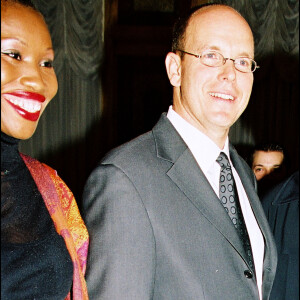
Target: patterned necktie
229 198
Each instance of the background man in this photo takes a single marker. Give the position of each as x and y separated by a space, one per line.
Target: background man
158 229
266 158
268 165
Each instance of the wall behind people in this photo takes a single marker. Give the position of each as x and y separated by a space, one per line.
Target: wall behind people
129 62
272 110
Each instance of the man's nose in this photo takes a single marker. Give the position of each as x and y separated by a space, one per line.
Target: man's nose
228 70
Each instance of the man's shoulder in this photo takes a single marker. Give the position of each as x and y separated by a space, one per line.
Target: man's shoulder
137 148
142 147
283 193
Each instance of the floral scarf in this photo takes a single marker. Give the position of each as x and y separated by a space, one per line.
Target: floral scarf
65 214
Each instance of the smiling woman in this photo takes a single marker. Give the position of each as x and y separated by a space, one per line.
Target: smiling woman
28 80
41 229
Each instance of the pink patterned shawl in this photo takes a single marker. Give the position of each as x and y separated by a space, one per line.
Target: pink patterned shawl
64 212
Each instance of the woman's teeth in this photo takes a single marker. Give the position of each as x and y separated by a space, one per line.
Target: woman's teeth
29 106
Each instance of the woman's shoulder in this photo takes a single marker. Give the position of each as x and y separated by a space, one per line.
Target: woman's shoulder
35 164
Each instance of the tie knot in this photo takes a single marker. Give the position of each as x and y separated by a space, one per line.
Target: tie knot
223 161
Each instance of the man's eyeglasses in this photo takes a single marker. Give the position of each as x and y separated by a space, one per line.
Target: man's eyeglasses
215 59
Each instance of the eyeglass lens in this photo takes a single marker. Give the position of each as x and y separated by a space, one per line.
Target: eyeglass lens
215 59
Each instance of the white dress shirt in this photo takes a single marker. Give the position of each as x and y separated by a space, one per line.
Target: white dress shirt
206 152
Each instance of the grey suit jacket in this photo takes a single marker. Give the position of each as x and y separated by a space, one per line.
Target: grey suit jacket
158 230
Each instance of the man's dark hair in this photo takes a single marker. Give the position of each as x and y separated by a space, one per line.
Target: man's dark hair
180 25
270 146
267 147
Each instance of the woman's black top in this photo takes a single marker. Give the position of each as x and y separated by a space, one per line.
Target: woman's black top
35 263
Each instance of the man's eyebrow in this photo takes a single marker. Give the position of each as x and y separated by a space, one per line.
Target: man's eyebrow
218 49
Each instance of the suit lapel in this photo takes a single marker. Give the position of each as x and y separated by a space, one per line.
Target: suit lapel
270 258
245 176
189 178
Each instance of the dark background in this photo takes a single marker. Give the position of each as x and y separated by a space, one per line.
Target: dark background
113 85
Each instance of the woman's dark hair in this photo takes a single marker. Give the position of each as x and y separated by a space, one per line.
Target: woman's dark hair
27 3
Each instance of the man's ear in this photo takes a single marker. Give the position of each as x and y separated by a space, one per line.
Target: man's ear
173 66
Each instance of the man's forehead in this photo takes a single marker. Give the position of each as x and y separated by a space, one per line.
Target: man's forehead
215 16
217 27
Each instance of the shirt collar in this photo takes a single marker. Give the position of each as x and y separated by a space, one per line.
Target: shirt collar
202 147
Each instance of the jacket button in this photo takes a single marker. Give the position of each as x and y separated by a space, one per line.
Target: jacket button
248 274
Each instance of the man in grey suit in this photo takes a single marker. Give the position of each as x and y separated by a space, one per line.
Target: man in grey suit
158 229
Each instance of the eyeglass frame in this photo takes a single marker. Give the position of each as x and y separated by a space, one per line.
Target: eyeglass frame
224 59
